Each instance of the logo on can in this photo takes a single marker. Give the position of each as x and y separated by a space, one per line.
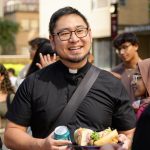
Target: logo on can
61 133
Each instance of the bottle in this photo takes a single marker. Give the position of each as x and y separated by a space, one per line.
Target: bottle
61 133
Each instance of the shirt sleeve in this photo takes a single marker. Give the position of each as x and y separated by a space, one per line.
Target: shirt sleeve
20 110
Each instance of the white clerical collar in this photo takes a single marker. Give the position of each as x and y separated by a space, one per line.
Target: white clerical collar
73 71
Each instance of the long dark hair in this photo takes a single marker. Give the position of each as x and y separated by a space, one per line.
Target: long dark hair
5 86
44 48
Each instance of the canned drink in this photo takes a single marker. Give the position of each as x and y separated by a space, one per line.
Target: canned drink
61 133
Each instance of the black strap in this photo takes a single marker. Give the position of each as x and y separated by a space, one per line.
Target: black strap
77 97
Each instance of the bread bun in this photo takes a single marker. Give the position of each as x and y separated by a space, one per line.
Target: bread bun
82 136
85 137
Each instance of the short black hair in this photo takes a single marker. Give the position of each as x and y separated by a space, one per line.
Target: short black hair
61 12
125 37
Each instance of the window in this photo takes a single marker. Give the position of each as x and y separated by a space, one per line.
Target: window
34 24
25 25
102 53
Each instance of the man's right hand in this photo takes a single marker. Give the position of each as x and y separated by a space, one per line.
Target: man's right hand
51 144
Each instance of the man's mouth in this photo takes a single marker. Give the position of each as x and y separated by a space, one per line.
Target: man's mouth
75 48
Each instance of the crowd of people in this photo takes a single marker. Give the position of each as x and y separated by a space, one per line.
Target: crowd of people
118 99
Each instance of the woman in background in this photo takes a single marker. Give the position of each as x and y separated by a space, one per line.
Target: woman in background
44 56
6 97
141 86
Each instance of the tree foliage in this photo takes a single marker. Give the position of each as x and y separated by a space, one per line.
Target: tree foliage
8 29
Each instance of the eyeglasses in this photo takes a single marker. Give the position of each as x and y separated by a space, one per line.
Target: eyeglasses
65 35
136 77
123 47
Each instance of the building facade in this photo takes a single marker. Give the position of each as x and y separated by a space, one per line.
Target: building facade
134 16
26 13
131 16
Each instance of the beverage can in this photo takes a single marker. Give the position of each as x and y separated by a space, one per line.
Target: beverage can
61 133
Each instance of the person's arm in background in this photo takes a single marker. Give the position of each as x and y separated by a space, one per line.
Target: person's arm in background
16 138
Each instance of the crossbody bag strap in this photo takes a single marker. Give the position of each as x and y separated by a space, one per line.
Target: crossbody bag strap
77 97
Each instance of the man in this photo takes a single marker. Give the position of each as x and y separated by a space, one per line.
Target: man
127 46
44 94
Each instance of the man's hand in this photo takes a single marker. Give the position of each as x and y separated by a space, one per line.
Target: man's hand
125 140
51 144
46 60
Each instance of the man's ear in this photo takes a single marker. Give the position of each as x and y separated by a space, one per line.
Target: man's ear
51 38
90 34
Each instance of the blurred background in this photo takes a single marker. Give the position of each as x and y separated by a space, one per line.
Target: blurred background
23 20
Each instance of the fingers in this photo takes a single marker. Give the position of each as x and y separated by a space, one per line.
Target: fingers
126 141
46 60
50 59
41 59
39 65
58 143
54 58
51 143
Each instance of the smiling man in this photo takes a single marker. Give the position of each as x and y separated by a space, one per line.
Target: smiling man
127 46
44 94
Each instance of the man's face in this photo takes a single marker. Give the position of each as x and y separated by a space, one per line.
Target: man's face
127 51
74 48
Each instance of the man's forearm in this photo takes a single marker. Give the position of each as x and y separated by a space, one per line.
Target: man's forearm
19 140
129 134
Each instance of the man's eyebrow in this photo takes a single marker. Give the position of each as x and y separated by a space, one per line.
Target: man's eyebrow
79 26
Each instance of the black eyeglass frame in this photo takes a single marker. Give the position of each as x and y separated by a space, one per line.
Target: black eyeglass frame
58 33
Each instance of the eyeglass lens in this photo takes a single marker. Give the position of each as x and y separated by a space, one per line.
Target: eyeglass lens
66 35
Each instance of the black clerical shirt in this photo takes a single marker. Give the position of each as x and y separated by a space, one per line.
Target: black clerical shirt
44 94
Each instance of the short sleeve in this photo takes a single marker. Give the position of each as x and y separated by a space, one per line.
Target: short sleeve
124 116
20 110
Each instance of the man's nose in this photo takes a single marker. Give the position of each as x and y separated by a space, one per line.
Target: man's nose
73 37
